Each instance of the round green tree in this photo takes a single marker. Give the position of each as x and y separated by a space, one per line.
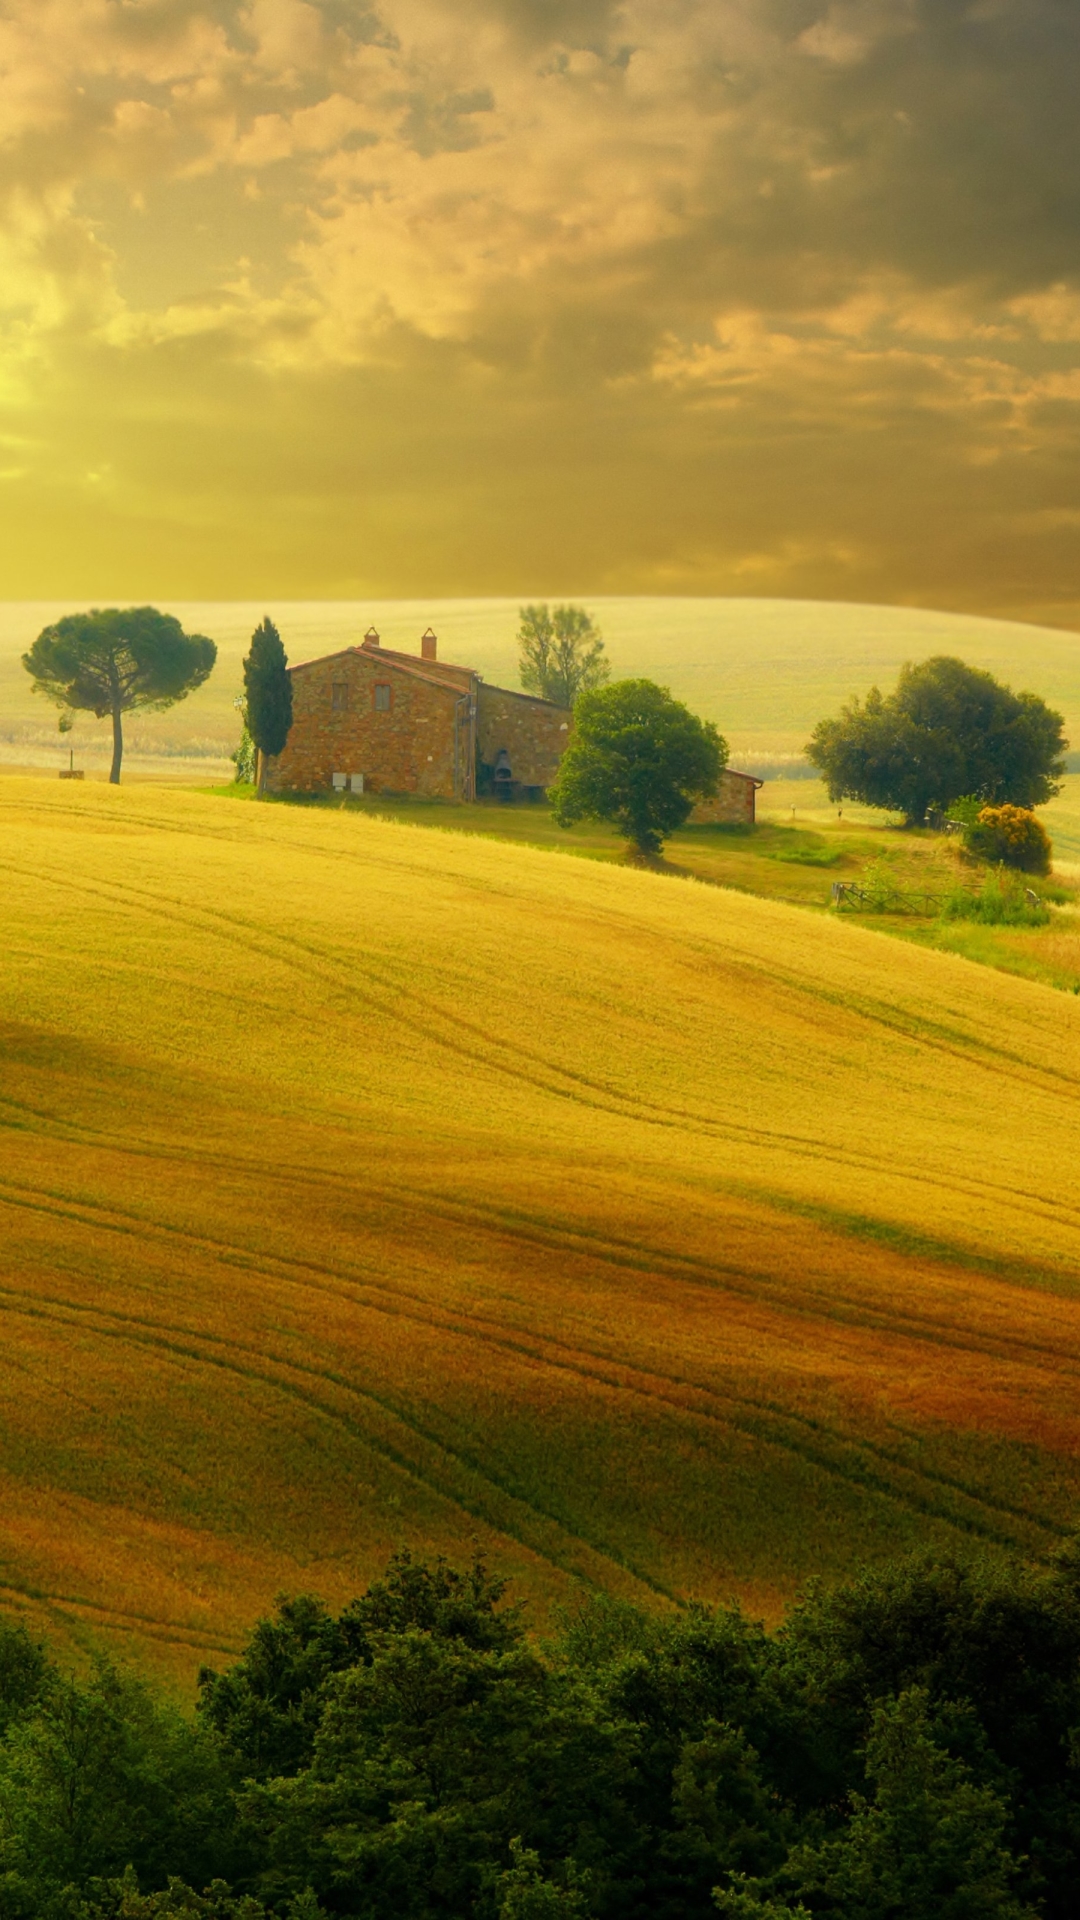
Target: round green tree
113 659
639 759
947 730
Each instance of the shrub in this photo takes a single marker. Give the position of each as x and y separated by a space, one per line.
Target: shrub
879 885
1000 902
1011 837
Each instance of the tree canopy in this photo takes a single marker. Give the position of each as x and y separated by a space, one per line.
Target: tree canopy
946 731
561 653
268 691
904 1745
639 759
115 658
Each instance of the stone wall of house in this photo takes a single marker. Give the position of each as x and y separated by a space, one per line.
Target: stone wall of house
408 749
733 805
533 733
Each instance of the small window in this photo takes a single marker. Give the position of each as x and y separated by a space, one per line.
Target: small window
382 698
339 696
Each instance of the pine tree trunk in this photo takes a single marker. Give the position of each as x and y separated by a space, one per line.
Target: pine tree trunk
260 772
117 747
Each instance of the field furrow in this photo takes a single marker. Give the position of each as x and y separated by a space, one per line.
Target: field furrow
360 1186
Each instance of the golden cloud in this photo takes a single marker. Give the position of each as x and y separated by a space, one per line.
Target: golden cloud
511 294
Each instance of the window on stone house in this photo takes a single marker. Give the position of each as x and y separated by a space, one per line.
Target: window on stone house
382 697
339 696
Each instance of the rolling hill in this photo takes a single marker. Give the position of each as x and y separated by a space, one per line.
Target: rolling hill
362 1185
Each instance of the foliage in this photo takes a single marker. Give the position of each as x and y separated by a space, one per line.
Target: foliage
928 1845
947 731
999 902
268 692
120 1899
525 1894
638 758
1011 837
561 653
97 1775
903 1749
878 881
268 1705
244 756
113 659
805 852
965 811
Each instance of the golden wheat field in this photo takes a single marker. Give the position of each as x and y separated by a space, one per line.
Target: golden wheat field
364 1186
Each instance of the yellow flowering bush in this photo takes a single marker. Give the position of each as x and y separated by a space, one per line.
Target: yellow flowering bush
1011 837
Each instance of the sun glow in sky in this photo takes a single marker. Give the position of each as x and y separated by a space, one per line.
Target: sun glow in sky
502 296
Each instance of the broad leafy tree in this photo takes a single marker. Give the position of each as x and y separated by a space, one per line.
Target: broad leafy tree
639 759
561 653
268 691
947 730
113 659
904 1748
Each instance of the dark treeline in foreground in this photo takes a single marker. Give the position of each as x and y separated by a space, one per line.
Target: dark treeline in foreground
906 1748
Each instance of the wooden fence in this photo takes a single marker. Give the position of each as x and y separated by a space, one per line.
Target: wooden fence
848 893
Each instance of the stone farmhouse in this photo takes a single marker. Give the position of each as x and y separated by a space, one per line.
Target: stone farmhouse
371 719
377 721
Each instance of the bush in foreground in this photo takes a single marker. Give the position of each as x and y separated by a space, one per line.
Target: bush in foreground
904 1748
1011 837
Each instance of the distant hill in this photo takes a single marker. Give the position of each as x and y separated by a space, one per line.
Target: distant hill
363 1185
766 670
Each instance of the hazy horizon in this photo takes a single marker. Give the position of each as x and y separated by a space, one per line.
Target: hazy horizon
764 669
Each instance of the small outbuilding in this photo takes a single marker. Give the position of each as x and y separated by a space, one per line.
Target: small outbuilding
732 805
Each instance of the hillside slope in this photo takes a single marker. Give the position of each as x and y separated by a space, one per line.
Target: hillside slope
362 1185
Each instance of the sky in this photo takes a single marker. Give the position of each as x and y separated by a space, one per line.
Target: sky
754 297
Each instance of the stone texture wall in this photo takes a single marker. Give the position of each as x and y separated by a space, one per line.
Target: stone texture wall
733 804
533 732
408 749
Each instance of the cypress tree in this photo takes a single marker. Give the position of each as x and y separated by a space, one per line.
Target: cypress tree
269 693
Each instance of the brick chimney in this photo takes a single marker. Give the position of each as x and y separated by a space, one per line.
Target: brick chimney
371 638
429 645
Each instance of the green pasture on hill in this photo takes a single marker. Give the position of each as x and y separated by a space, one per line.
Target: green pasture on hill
764 670
802 844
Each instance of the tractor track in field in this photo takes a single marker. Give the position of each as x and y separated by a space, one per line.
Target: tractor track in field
759 1286
843 1222
894 1235
447 1455
190 1344
472 1042
872 1008
73 1607
763 1420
